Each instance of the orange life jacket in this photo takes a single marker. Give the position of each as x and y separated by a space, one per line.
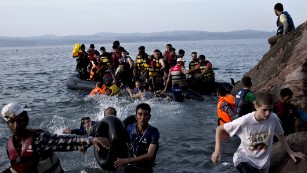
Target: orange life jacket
98 90
223 117
93 72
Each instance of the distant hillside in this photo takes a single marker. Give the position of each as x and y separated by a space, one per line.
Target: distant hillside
106 37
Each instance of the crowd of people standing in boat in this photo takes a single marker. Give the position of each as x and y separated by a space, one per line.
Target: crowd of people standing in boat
158 70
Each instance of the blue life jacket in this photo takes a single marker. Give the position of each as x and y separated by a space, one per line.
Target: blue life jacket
242 107
178 94
140 144
291 26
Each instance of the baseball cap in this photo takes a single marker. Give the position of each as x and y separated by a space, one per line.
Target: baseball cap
180 59
11 110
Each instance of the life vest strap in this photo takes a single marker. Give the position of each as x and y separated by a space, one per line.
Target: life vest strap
20 159
220 119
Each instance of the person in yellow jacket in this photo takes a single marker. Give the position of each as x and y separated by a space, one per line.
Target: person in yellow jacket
225 106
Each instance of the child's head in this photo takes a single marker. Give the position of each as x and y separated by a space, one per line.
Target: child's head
220 91
137 84
264 106
285 95
108 91
246 81
264 99
86 122
99 84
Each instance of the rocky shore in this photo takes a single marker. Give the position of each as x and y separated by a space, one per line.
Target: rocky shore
285 65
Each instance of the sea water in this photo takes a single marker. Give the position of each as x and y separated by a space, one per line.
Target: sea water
36 76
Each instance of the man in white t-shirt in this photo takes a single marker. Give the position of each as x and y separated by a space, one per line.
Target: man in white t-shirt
284 23
256 131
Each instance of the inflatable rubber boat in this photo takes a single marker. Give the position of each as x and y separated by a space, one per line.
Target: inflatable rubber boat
74 82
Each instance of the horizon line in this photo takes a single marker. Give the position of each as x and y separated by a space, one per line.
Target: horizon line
135 33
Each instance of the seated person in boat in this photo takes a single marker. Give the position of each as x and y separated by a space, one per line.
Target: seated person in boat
204 76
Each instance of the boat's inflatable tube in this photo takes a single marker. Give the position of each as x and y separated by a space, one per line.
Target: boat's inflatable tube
129 120
228 86
191 94
74 82
112 128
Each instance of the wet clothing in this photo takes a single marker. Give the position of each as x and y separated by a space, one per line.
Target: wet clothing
98 90
40 147
256 139
147 95
81 130
244 102
178 93
246 168
140 144
287 114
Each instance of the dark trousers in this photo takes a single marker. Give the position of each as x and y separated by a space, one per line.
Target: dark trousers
246 168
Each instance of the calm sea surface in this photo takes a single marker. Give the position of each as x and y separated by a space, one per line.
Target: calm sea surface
36 76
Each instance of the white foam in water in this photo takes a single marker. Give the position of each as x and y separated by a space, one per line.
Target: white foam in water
57 124
225 163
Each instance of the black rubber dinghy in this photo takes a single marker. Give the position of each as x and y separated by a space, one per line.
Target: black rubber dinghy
191 94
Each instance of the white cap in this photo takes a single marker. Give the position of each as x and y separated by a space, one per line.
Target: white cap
180 59
11 110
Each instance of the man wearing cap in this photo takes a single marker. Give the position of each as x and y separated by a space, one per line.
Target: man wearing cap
177 74
32 151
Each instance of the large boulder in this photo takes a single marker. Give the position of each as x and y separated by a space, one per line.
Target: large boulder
284 65
281 161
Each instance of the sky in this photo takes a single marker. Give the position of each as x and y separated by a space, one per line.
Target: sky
22 18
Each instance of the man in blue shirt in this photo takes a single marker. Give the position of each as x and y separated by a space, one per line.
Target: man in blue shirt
144 143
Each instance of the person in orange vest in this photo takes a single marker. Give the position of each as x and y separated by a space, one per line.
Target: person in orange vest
225 106
95 72
99 89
